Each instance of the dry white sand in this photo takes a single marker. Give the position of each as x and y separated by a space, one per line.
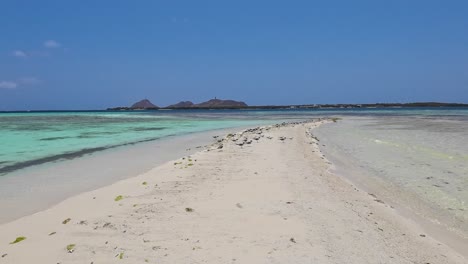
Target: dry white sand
270 201
54 182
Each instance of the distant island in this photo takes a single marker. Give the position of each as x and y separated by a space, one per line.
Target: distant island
182 104
215 103
146 104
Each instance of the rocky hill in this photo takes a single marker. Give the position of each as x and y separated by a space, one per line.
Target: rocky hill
218 103
182 104
143 104
213 103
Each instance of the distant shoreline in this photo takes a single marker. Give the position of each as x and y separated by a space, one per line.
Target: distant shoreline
306 106
269 107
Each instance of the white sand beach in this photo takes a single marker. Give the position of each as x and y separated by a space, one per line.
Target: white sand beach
55 181
263 195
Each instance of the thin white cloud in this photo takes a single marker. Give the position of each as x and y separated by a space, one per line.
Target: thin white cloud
19 54
8 85
24 81
29 81
179 20
39 54
51 44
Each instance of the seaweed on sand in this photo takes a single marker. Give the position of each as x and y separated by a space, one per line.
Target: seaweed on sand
71 248
18 239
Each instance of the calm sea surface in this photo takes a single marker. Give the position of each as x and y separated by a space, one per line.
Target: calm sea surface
418 163
28 139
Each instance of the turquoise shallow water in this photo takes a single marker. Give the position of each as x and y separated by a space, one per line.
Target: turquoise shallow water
32 138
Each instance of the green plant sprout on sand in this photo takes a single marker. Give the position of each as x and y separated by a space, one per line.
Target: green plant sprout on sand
118 198
71 248
18 239
121 255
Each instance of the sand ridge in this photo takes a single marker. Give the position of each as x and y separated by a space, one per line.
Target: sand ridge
263 195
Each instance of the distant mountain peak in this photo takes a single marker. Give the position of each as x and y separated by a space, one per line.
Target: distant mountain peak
213 103
143 104
181 104
219 103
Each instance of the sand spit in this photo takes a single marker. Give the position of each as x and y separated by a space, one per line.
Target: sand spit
263 195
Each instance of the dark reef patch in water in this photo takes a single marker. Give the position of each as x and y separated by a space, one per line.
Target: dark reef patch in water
148 128
53 138
95 134
65 156
84 136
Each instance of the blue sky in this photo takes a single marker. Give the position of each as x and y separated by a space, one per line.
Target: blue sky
97 54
